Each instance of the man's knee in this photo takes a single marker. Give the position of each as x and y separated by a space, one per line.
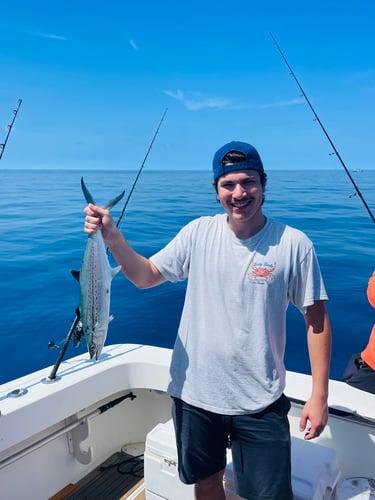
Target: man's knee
211 488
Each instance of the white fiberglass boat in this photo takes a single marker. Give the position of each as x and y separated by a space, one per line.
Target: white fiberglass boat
102 430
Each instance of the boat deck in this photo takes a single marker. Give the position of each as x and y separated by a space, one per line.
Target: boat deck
118 478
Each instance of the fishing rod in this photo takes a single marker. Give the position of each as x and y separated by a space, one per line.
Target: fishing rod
324 130
15 112
75 328
141 168
52 376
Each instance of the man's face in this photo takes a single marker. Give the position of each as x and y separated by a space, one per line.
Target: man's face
241 194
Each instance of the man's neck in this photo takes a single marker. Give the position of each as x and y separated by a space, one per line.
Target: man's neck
246 229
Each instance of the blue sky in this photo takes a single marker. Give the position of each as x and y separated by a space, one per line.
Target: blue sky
95 78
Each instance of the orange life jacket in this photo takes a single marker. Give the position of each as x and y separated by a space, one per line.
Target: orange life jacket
368 354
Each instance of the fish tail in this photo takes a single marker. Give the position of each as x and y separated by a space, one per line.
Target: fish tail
113 202
90 199
86 192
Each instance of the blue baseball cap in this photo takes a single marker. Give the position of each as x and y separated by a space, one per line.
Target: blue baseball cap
234 156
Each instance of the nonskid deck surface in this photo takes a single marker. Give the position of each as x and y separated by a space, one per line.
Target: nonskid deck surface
112 480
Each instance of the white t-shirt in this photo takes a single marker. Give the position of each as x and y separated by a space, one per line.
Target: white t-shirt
228 355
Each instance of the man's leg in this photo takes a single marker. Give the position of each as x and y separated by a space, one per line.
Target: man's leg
201 438
211 488
261 453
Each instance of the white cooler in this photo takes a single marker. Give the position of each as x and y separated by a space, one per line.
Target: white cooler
160 461
314 469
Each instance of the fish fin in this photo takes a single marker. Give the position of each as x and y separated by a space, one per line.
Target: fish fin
115 270
86 192
113 202
75 274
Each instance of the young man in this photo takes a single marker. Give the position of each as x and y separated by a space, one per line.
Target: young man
227 370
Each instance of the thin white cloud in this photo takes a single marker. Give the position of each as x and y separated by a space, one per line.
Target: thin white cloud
51 36
195 101
280 104
133 44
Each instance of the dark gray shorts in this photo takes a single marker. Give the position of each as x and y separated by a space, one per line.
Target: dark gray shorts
260 445
359 374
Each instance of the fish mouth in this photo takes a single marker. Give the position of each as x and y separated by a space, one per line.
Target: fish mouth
95 351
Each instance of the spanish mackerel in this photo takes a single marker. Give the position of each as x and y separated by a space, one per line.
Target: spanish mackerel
95 287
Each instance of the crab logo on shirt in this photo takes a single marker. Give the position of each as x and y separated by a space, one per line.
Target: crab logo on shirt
262 272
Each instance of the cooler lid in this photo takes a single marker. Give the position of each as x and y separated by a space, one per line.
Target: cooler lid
161 441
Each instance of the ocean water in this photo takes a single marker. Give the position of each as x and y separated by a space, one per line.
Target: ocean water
42 239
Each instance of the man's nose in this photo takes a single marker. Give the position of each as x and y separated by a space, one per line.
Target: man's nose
239 191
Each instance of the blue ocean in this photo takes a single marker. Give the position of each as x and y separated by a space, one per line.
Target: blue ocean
43 239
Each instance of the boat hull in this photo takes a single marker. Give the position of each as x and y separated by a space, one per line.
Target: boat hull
52 434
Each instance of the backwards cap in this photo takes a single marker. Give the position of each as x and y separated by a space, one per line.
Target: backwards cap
236 156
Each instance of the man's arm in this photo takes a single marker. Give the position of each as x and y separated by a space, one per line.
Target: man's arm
319 339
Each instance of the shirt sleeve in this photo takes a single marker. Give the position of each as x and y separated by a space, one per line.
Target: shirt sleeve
307 285
173 260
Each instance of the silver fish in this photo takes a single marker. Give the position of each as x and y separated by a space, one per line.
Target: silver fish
95 286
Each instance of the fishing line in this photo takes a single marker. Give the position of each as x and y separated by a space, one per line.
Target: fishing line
141 168
324 130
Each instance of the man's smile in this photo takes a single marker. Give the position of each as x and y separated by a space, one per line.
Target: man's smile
241 204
